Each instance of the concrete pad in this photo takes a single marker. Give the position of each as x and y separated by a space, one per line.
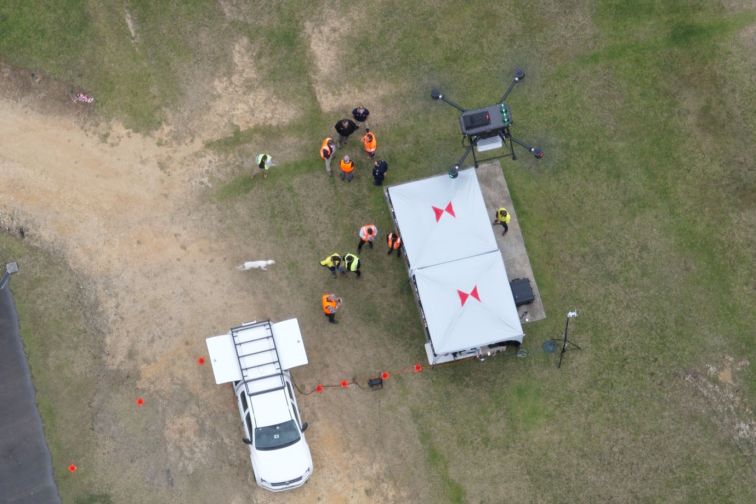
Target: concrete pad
493 185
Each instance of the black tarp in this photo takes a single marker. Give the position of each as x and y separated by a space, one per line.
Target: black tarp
25 467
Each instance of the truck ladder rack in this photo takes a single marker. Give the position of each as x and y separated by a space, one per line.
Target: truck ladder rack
258 357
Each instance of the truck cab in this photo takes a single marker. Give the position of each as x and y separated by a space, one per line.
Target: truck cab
256 357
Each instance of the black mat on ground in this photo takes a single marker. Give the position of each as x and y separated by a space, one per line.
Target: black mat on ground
25 467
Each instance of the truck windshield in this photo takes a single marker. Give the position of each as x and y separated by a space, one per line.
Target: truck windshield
273 437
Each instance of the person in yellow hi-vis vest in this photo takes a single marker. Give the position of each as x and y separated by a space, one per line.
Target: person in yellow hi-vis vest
333 263
503 218
352 263
264 162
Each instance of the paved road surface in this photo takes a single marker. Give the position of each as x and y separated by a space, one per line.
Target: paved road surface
25 468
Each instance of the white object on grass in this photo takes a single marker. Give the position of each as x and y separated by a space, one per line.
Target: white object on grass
262 265
82 98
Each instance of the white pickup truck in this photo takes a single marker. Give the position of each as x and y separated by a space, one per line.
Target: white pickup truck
256 357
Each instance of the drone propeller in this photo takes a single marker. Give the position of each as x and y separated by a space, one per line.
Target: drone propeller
519 75
537 153
436 94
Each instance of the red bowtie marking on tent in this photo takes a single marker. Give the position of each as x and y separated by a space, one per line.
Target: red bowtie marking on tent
440 211
450 210
464 295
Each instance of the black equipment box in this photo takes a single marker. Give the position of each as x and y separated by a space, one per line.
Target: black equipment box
484 122
487 121
522 291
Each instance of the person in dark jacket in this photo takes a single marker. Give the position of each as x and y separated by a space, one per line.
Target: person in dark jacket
380 168
360 114
344 128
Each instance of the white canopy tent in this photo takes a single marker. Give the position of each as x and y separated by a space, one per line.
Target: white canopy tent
442 219
460 280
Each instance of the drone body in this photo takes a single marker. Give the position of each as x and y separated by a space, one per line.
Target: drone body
488 128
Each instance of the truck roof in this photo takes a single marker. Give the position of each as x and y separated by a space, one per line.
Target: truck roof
257 356
270 408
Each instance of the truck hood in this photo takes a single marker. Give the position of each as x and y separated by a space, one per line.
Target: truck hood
283 464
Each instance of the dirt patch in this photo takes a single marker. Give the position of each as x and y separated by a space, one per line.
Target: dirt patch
243 97
131 26
335 89
726 375
112 208
185 444
240 100
36 90
748 39
246 12
726 403
123 209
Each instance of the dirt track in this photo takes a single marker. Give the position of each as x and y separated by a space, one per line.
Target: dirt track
122 210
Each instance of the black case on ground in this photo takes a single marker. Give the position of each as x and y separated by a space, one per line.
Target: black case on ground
522 291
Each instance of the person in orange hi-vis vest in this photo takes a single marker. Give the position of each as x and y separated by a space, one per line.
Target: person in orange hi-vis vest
368 232
394 242
331 304
369 143
347 169
327 149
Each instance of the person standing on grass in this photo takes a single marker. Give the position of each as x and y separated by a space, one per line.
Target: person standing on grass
333 263
344 128
369 143
379 172
394 242
331 304
264 162
347 169
503 218
352 263
360 114
368 232
327 150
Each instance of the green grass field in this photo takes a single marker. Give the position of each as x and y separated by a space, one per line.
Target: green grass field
641 215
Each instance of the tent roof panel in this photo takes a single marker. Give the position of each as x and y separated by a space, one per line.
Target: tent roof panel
442 219
468 303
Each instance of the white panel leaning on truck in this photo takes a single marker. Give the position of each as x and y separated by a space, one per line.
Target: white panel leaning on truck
256 357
